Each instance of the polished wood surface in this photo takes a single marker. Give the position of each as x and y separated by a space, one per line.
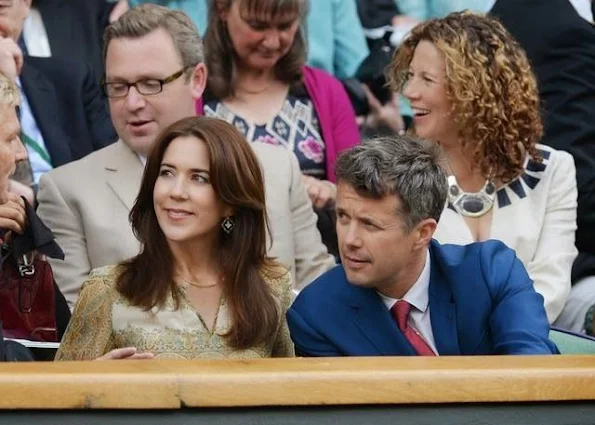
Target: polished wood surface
295 382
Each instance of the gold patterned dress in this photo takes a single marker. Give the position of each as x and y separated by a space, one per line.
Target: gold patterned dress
104 320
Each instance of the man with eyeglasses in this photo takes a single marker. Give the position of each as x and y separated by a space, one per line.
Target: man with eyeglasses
154 75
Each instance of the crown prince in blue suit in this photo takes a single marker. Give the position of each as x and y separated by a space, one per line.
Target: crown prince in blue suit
398 292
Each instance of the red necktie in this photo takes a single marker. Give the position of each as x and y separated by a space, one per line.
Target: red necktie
400 312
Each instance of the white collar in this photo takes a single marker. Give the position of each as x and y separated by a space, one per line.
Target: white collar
418 295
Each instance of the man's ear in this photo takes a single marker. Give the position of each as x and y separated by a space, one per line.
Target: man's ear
424 232
198 80
28 4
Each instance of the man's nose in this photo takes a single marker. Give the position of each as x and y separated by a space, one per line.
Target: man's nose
134 100
20 152
352 237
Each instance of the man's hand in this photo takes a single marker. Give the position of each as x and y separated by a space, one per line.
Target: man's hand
12 214
11 58
126 353
322 193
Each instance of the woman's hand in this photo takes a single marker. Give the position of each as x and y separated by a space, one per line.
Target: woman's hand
322 193
126 353
12 214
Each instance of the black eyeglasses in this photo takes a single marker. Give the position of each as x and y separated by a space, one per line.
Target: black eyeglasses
146 87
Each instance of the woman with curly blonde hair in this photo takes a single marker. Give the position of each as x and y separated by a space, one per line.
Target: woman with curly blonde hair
473 92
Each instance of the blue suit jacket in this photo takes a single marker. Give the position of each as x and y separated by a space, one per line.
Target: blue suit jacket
481 302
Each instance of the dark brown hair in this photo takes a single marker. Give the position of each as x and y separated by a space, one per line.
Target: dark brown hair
220 56
491 85
237 179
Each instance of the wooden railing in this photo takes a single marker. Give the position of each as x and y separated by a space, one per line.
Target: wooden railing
295 382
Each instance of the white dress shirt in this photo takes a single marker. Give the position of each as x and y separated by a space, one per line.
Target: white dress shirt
35 35
419 298
583 8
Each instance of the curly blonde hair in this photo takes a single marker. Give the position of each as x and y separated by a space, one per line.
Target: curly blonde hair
490 84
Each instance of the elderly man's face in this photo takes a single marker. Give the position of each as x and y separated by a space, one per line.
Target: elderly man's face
12 17
140 118
11 147
375 248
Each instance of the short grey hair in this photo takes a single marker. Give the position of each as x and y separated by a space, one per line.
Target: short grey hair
142 20
401 166
9 93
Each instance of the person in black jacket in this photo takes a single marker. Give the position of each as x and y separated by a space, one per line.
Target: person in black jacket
11 206
63 115
561 47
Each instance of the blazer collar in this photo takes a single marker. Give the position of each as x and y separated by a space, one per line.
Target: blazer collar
124 173
376 323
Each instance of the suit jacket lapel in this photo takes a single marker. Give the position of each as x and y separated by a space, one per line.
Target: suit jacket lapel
376 324
42 100
442 309
124 172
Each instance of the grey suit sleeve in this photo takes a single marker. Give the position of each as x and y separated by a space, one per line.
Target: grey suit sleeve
66 224
311 256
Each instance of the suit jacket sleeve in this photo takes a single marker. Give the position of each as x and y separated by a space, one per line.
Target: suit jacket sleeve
66 224
552 262
518 322
89 333
311 256
308 341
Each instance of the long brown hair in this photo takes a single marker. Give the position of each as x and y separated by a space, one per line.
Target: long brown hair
220 56
237 179
491 85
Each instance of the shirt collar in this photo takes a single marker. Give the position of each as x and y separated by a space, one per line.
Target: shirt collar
418 295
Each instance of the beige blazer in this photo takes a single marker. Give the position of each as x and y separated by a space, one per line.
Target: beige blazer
86 204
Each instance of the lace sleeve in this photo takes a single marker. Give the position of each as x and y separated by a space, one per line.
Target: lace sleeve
89 333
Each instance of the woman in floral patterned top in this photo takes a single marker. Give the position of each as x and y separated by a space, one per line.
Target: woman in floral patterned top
202 286
255 52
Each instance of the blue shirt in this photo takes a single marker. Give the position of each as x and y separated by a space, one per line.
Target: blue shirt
29 127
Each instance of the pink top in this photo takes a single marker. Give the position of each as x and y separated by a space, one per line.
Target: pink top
335 114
